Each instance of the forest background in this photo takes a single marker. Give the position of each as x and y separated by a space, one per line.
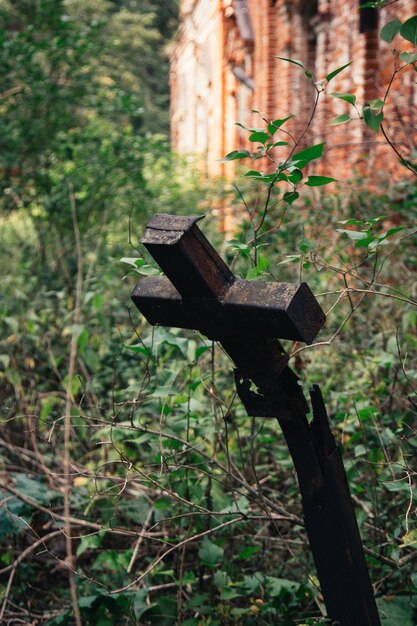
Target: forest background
135 490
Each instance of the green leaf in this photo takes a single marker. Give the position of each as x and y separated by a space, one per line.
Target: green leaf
277 585
337 71
140 265
259 137
375 5
89 542
291 196
5 360
318 181
408 57
347 97
297 62
308 154
48 403
252 582
352 222
236 154
360 450
254 174
398 486
210 553
409 540
263 178
302 158
295 177
133 261
391 231
408 30
148 270
376 105
253 273
279 143
252 130
82 339
140 348
340 119
13 376
13 323
86 602
248 552
261 267
353 234
162 613
240 612
306 245
370 241
243 248
390 30
370 221
140 603
35 489
263 263
162 504
14 515
372 120
396 611
222 579
276 124
230 594
290 258
7 557
113 560
97 301
189 578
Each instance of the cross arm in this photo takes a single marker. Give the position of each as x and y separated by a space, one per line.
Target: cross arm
247 308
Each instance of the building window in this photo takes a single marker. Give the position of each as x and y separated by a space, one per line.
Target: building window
368 18
310 17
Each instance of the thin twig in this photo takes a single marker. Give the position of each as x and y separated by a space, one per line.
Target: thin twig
6 594
68 406
336 333
139 541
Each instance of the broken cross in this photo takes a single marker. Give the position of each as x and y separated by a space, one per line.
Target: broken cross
200 292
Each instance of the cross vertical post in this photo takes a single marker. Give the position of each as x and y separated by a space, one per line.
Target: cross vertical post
248 318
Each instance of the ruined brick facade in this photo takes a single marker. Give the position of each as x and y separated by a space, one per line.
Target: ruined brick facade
223 66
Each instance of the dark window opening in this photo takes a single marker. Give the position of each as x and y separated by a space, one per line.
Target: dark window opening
310 14
368 18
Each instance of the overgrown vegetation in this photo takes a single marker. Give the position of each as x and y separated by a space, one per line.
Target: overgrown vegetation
135 490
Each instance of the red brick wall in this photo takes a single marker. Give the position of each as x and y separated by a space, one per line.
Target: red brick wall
282 28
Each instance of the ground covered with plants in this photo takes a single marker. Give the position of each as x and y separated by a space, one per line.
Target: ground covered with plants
134 488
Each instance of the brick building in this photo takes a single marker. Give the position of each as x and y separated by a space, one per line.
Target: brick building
223 66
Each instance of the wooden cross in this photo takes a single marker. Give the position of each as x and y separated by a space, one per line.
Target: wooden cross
200 292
